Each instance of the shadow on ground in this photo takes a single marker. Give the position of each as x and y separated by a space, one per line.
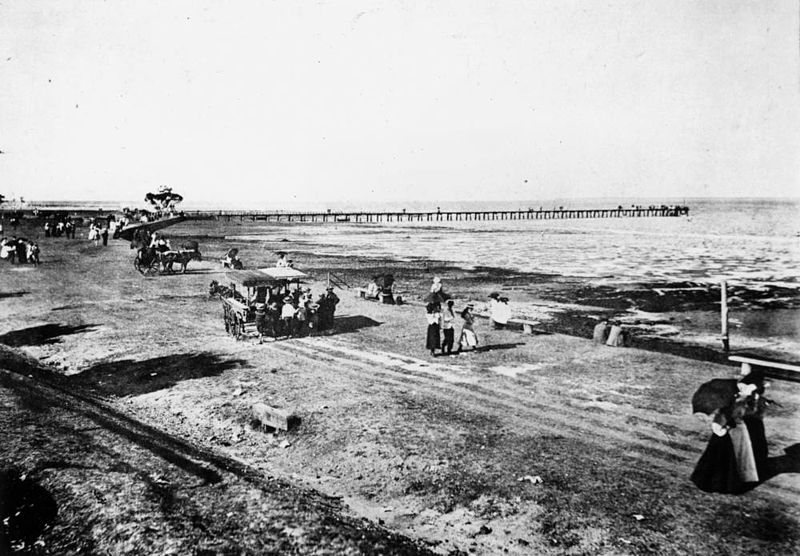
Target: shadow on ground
42 334
26 508
789 462
4 295
352 323
494 347
129 378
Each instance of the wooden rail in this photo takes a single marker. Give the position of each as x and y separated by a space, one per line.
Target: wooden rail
440 216
774 369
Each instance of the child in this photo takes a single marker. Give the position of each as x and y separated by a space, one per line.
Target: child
468 337
447 328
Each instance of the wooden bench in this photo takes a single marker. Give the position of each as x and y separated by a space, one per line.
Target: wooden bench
775 369
528 326
362 293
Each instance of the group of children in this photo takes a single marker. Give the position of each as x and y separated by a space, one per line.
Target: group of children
295 314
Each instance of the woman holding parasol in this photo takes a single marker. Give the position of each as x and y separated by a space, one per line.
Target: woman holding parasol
736 455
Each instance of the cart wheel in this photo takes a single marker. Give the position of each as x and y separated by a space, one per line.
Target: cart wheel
152 270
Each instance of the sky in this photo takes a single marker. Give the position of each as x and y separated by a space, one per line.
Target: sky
260 103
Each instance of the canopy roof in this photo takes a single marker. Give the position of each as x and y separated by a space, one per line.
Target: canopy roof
283 273
268 277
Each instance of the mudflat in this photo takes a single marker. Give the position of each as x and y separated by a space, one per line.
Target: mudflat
128 411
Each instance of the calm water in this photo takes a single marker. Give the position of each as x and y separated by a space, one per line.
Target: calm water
748 242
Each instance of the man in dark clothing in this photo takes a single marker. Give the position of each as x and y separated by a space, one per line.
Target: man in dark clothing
327 308
22 251
104 235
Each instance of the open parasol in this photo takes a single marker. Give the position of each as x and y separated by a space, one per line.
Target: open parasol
714 394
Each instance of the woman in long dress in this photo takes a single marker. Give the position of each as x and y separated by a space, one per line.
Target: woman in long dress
468 337
736 455
434 316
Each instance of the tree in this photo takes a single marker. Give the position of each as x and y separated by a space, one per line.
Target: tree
164 200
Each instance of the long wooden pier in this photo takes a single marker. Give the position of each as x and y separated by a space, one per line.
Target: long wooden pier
440 216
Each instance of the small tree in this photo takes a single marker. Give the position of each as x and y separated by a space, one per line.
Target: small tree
164 200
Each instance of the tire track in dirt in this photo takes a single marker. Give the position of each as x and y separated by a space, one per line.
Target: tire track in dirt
510 398
522 411
403 371
584 396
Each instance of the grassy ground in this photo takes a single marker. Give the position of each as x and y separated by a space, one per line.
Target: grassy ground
531 445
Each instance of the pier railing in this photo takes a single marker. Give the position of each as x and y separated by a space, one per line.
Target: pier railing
439 216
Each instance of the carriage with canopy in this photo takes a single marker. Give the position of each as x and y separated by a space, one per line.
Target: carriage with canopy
249 288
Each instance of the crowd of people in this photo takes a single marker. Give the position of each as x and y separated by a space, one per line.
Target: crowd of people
19 250
60 226
294 313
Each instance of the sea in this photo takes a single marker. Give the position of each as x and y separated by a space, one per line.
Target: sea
748 242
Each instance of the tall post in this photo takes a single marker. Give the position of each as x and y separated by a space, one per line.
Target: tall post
724 316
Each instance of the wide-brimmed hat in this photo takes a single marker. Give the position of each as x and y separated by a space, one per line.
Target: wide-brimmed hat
288 298
436 279
494 295
505 299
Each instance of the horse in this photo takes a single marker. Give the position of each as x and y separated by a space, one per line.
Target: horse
181 257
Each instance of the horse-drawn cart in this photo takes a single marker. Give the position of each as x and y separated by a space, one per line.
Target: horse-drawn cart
150 261
251 288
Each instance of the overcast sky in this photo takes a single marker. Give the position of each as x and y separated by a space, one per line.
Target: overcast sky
384 101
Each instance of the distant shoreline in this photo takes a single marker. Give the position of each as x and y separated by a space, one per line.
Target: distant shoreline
420 205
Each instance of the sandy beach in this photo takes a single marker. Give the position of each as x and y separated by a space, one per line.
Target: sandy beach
534 444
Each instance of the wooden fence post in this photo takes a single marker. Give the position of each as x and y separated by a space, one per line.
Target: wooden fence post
724 316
